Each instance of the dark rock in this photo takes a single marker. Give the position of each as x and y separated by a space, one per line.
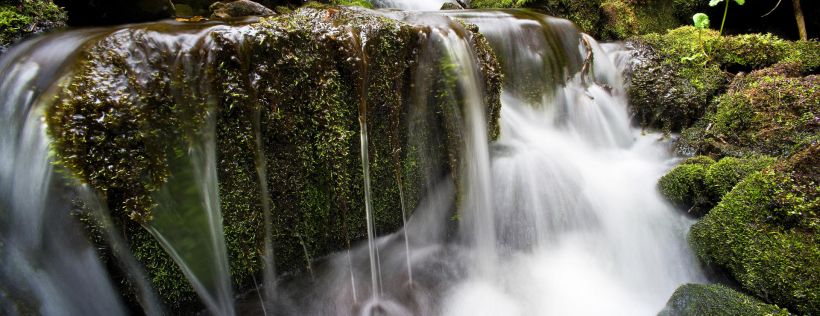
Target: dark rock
451 6
108 12
239 8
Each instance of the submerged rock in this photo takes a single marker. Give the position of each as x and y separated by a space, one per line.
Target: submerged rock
291 84
714 300
766 233
238 8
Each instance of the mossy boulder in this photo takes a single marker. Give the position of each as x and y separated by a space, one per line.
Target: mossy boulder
770 111
20 20
716 300
699 183
289 87
675 77
722 176
766 233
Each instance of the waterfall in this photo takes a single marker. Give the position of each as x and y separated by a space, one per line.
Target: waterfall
558 216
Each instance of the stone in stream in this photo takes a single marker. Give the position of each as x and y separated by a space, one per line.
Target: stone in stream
239 8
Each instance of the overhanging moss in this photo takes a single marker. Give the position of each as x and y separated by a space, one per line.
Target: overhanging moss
715 299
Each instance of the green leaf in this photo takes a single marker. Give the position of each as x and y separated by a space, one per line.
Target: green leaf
740 2
701 20
713 3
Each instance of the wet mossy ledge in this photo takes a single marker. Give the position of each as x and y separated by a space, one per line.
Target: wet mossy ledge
715 299
289 83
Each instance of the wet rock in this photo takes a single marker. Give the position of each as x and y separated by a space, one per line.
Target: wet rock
451 6
239 8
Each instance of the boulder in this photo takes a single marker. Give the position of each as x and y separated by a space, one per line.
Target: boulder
716 300
238 8
766 233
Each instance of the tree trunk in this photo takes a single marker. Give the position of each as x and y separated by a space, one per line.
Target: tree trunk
801 22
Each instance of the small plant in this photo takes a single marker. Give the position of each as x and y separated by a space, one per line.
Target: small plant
701 22
713 3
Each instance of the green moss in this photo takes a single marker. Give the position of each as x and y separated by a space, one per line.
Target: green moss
684 185
688 67
766 112
749 51
34 16
127 114
766 233
354 3
716 299
699 183
726 173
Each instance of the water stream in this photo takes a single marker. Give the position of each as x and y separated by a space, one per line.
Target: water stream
559 216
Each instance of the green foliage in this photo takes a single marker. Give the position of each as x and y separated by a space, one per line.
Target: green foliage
713 3
701 20
766 233
716 299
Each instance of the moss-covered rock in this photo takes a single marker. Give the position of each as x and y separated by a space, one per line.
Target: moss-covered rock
727 172
676 76
18 21
766 233
292 86
685 187
770 111
699 183
716 300
669 89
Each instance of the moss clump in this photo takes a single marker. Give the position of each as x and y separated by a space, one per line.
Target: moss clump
29 17
128 114
726 173
699 183
749 51
716 299
766 233
684 185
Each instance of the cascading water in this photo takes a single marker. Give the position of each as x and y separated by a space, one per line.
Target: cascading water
558 216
